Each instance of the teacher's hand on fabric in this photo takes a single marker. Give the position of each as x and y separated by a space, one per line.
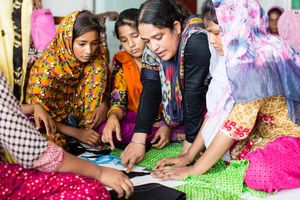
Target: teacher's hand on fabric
117 180
112 125
179 161
161 137
40 114
135 151
99 115
176 173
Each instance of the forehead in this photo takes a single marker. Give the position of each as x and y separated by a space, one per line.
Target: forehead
210 25
126 30
149 30
89 36
274 15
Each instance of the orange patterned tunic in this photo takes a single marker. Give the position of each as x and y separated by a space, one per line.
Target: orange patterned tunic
63 85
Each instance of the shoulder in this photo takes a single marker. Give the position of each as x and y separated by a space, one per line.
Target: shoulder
122 57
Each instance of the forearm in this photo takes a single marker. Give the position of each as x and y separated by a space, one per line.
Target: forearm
67 130
72 164
198 145
148 106
196 69
27 108
117 113
220 144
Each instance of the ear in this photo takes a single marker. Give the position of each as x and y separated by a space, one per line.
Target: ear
177 27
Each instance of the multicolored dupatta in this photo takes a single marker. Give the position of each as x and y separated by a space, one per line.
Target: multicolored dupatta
172 73
258 64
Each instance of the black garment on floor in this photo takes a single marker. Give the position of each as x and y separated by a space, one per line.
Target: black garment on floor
152 191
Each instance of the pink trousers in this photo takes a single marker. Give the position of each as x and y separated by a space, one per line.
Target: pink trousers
275 167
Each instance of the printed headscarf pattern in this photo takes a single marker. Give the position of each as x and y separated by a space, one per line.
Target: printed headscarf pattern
63 85
258 64
172 74
18 137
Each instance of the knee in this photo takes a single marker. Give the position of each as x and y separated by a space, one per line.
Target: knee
261 176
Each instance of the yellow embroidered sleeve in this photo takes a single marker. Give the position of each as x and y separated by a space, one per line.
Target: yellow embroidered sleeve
242 119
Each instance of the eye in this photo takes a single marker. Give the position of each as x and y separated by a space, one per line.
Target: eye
95 43
135 35
122 39
158 37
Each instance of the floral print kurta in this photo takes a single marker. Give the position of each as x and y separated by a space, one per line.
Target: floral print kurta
255 124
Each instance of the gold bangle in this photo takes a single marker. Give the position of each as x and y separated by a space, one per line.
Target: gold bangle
137 142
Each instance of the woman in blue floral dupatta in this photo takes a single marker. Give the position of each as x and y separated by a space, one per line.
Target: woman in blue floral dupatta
254 101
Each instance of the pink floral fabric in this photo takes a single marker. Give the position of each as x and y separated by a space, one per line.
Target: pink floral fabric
17 182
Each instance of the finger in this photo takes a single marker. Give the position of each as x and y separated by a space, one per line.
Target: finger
111 144
126 188
97 121
160 142
131 164
93 123
162 163
130 184
171 174
53 127
48 128
119 191
37 122
109 139
124 157
92 140
154 138
118 133
159 164
95 137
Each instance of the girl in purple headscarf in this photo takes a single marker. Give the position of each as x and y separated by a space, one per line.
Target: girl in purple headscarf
253 101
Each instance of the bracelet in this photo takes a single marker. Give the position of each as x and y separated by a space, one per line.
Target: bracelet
137 142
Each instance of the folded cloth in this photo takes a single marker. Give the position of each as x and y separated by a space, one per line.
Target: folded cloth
152 191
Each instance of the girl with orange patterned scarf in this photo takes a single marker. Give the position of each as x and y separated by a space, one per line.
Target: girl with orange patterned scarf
70 79
126 90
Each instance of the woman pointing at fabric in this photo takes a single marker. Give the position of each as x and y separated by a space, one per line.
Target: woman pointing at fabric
178 57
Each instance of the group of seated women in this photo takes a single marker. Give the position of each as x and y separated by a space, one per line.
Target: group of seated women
221 79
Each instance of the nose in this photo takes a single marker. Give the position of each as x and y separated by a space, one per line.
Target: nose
212 39
131 43
88 49
154 46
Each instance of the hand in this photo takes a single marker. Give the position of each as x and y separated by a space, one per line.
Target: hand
88 136
99 115
40 114
134 152
176 173
117 180
112 125
163 134
179 161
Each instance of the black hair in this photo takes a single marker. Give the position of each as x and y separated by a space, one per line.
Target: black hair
84 23
275 10
126 17
208 11
161 13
